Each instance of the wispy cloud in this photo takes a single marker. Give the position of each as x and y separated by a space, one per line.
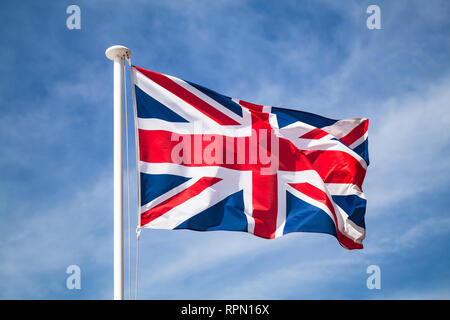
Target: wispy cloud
37 251
409 145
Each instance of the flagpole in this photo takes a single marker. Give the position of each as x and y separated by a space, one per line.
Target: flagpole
118 54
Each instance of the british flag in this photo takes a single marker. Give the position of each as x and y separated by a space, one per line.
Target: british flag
210 162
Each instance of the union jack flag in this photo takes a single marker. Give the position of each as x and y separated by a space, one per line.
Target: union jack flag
210 162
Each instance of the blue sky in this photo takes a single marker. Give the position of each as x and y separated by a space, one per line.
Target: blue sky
318 56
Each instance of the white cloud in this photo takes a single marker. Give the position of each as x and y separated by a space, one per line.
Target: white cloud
408 141
71 231
305 280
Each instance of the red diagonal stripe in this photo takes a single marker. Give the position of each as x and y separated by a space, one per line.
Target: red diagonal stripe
188 97
314 193
314 134
356 133
319 195
177 199
251 106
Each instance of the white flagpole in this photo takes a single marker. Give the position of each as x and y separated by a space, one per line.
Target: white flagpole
118 54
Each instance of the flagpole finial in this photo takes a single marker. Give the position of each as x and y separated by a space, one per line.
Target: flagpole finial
118 51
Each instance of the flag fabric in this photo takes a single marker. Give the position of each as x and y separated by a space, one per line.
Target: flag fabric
210 162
